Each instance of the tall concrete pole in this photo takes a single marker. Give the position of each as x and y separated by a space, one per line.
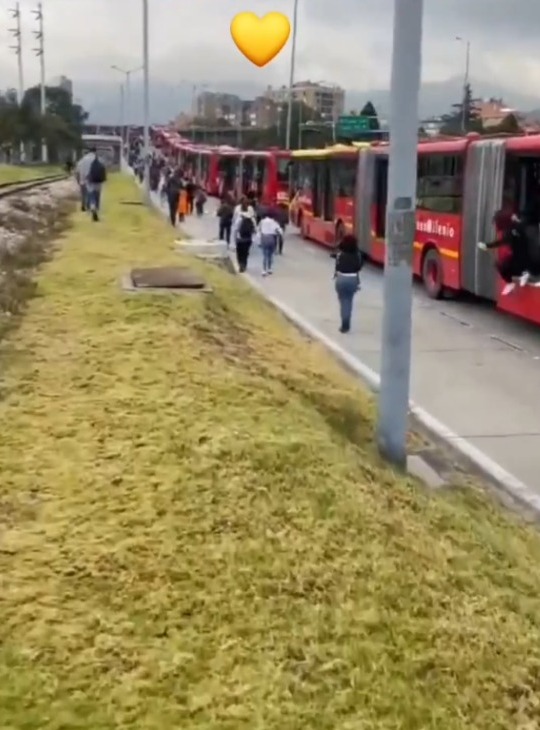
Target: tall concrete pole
291 78
18 48
127 99
40 52
146 100
400 231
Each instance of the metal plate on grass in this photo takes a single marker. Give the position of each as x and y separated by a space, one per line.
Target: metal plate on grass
167 277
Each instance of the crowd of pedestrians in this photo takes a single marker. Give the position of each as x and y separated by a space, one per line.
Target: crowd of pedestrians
243 223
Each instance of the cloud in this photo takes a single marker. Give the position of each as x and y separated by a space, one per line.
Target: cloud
346 41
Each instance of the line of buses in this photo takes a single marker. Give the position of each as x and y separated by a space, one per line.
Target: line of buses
461 184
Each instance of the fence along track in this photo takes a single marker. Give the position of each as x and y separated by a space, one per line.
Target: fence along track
12 188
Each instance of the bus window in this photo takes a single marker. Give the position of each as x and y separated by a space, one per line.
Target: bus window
344 172
283 169
440 183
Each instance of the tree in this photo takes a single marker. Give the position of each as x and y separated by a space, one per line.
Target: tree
61 127
369 111
465 117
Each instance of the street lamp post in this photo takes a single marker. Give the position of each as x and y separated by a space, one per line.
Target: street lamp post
127 98
464 110
291 78
146 101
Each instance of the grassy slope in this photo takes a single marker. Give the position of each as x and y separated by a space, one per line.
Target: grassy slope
12 173
190 538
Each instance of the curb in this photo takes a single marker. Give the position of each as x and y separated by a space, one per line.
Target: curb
516 489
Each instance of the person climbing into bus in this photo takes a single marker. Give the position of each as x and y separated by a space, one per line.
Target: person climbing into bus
349 263
514 260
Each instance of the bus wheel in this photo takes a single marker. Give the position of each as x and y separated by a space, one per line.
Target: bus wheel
432 274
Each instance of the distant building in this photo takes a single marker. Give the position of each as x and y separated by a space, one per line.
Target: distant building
432 127
64 83
328 100
213 105
493 112
260 112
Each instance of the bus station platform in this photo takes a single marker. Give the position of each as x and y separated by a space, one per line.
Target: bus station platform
475 372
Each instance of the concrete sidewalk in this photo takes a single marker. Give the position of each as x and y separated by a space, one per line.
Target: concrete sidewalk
469 377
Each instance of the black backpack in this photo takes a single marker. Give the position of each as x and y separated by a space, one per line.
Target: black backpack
97 173
246 228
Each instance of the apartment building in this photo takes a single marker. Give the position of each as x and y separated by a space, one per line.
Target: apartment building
213 105
328 100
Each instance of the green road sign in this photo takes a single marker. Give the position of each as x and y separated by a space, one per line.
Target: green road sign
350 126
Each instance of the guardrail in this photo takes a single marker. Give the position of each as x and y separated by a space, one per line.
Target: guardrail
11 188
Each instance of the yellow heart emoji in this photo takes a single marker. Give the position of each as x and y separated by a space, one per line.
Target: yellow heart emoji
260 39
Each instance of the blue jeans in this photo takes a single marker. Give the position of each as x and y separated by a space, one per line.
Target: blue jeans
346 288
93 196
268 245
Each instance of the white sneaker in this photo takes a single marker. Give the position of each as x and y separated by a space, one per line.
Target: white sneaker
524 278
265 273
508 289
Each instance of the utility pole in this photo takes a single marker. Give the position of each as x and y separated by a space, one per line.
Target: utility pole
146 98
17 34
291 78
127 99
465 111
122 114
40 52
400 230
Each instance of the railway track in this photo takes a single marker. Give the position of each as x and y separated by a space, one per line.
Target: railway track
12 188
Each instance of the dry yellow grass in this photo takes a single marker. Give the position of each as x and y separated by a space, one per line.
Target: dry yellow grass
13 173
195 532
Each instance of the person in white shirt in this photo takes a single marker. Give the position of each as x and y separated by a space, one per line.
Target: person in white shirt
269 231
81 173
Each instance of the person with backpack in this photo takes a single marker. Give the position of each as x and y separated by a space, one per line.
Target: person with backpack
225 214
97 176
244 237
81 174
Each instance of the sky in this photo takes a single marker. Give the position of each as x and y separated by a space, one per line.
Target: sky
347 42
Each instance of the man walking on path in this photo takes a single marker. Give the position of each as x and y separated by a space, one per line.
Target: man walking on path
81 173
97 175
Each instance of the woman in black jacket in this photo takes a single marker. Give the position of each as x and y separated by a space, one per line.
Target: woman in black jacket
349 262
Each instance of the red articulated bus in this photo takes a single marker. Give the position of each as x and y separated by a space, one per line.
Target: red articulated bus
324 184
263 173
461 184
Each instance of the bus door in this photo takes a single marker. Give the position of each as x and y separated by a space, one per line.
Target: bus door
487 174
330 184
380 195
527 202
316 187
261 178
